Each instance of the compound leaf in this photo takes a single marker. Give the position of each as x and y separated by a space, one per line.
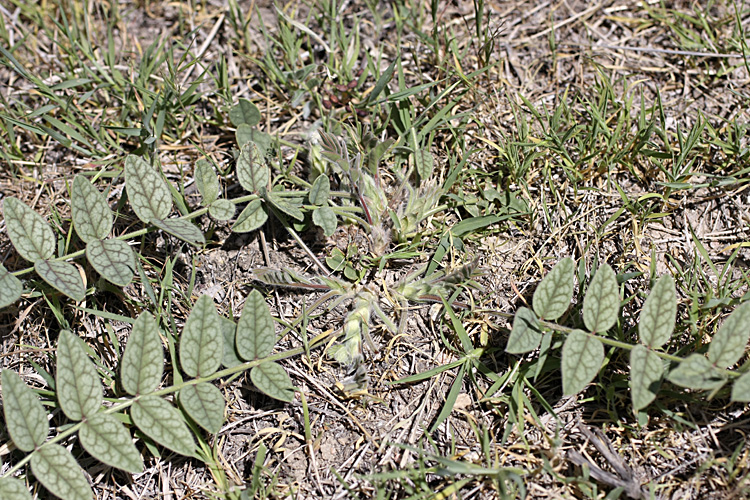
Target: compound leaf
741 389
182 229
271 379
280 203
244 112
229 333
10 288
113 259
657 318
525 334
107 440
142 361
325 218
13 489
252 171
646 370
201 346
255 331
697 372
582 356
553 295
424 162
205 404
147 190
164 424
25 417
77 382
728 343
91 215
602 300
221 210
320 190
30 234
62 276
59 472
206 181
251 218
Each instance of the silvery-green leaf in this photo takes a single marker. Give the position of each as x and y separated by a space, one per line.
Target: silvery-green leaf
602 301
107 440
147 190
142 361
697 372
25 418
656 322
244 112
729 342
282 204
182 229
251 218
245 134
553 295
30 234
255 331
58 471
79 391
229 332
582 356
205 404
646 370
113 259
525 334
741 389
206 181
62 276
164 424
425 163
91 215
271 379
10 288
13 489
221 210
320 190
252 171
201 346
325 218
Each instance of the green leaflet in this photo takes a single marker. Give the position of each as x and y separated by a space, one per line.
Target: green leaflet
657 319
424 163
582 356
59 472
79 391
113 259
164 424
91 215
251 218
526 334
10 288
320 190
252 171
245 133
697 372
205 404
30 234
741 388
206 181
147 190
280 203
553 295
602 301
63 277
13 489
729 342
229 332
325 218
182 229
646 370
201 346
271 379
244 112
221 210
255 331
107 440
25 417
142 361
